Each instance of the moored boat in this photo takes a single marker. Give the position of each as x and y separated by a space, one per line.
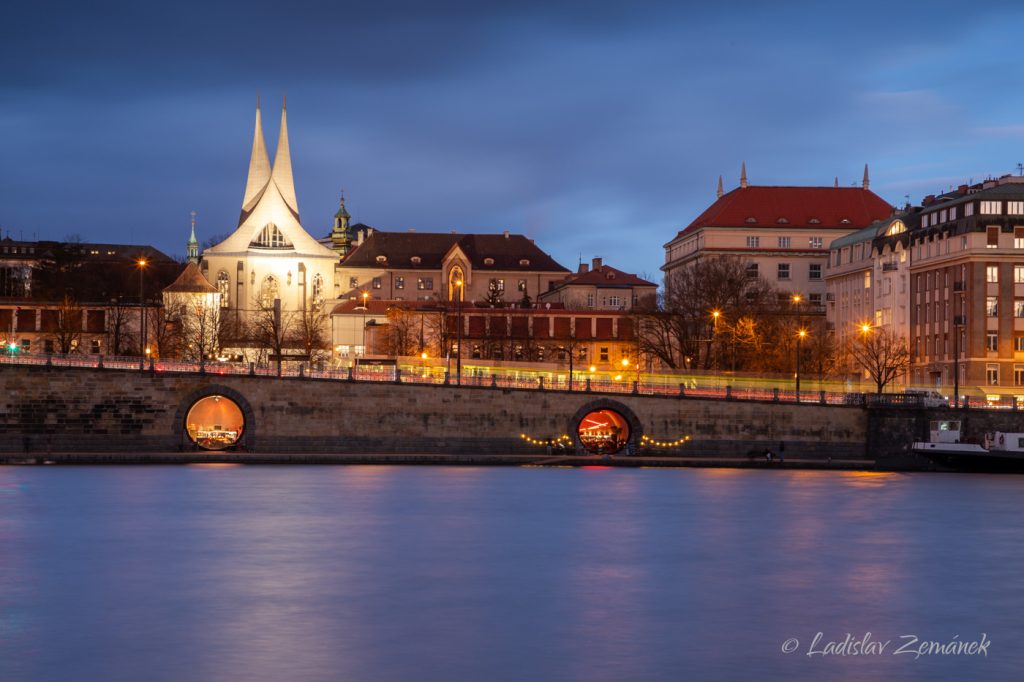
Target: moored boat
998 452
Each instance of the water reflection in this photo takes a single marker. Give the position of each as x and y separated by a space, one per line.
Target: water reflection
385 573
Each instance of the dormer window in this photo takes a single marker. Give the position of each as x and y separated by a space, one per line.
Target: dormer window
751 220
525 262
270 237
382 259
844 221
415 260
814 221
782 221
488 261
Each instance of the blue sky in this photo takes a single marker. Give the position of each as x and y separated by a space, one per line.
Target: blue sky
596 128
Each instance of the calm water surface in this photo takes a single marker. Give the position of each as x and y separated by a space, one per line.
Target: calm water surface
445 573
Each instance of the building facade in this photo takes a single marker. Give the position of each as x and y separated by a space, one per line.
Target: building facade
600 286
781 233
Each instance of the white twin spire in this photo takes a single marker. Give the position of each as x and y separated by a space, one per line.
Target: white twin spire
262 175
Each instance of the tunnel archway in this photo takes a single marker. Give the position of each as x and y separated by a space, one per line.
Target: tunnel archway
215 418
605 427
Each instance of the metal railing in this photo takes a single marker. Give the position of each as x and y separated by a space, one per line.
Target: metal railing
714 387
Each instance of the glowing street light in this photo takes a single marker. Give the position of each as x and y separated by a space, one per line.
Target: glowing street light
801 334
458 317
143 335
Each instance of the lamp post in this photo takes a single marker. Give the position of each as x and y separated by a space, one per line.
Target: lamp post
865 329
801 333
142 310
715 314
957 319
458 318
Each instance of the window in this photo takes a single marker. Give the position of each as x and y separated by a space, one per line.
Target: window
1018 307
425 283
992 274
992 237
399 282
992 306
815 299
353 282
992 342
1015 207
814 271
615 301
269 291
992 375
48 345
376 282
784 242
26 345
318 290
942 216
521 285
968 209
604 353
224 287
783 271
867 279
95 347
590 300
991 207
752 270
753 242
815 242
1018 237
497 285
270 237
1018 344
1018 375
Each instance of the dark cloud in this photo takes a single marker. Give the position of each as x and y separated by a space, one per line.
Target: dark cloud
599 128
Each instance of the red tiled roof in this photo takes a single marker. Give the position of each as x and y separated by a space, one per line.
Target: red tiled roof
832 207
605 276
191 281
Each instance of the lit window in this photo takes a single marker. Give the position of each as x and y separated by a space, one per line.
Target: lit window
992 342
376 283
604 353
1018 344
1018 307
1018 237
992 306
1018 375
867 279
1015 207
425 283
815 242
1018 274
992 375
399 282
353 282
991 207
270 237
521 286
992 274
224 287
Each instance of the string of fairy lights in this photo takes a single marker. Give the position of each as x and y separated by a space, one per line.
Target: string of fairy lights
650 442
645 441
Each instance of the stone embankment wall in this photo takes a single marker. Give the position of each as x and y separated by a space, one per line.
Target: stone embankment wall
49 409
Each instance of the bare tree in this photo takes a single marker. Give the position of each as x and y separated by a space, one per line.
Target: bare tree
882 353
68 330
401 335
119 319
269 327
308 331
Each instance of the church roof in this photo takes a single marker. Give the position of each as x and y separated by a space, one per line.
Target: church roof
269 202
484 251
793 207
191 281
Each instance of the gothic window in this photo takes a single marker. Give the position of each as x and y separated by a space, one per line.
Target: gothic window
456 275
269 290
318 290
270 237
224 286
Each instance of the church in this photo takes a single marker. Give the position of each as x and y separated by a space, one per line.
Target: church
269 255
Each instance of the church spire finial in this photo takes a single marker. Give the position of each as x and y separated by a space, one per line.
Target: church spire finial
836 185
192 248
867 182
720 191
282 172
743 174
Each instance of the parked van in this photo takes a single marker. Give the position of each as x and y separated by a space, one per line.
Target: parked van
927 398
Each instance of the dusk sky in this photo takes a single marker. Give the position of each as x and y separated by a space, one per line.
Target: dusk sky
597 128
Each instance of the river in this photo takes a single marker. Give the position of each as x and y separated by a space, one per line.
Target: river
377 574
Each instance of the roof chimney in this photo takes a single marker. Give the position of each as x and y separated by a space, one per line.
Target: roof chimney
506 234
867 182
584 269
596 263
720 191
743 174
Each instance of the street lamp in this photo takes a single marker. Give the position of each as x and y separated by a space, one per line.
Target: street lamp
800 334
143 336
715 314
365 295
458 317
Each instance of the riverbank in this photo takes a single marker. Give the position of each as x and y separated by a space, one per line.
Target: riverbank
93 458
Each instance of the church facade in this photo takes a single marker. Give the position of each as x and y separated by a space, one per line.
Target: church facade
270 255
